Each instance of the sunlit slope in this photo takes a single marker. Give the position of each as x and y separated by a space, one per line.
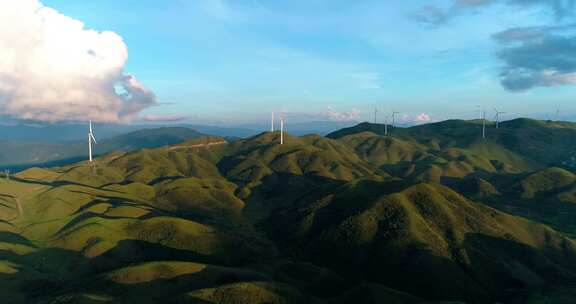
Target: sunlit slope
248 161
417 238
315 220
407 158
523 144
63 226
455 148
547 195
164 219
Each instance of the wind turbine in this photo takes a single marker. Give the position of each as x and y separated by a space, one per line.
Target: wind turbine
483 123
386 125
272 123
394 118
91 139
375 115
498 113
281 129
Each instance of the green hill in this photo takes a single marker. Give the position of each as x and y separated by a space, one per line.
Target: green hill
393 233
522 143
357 218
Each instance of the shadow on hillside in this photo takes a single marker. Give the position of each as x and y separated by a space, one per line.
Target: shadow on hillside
545 207
14 238
483 270
478 269
54 275
53 271
55 163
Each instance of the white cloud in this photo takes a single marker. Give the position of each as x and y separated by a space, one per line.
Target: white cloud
52 68
352 115
416 119
166 117
423 118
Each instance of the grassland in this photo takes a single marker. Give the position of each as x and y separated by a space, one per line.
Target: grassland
423 215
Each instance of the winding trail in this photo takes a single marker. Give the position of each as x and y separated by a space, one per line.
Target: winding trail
19 205
198 145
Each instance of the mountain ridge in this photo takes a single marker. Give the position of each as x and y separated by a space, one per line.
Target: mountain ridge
363 218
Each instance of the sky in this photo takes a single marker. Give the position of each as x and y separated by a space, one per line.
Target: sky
235 61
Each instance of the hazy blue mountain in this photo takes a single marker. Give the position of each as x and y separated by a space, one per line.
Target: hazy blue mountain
22 154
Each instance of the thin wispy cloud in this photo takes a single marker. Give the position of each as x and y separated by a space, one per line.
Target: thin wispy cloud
352 115
436 15
166 117
220 9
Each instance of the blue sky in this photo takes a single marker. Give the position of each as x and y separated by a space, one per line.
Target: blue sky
236 60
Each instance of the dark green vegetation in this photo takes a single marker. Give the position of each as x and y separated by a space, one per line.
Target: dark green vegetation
427 214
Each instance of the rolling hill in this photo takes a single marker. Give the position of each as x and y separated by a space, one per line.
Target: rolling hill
521 143
505 170
356 217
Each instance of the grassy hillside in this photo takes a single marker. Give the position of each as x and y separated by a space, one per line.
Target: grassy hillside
393 233
521 143
358 219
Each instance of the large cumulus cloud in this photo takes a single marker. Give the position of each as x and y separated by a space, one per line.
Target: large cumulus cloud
53 68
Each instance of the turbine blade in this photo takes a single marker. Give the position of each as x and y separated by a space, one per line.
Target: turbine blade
93 138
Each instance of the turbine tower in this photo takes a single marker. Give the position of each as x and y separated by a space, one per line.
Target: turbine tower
272 123
375 115
386 126
281 129
394 118
91 139
483 124
498 113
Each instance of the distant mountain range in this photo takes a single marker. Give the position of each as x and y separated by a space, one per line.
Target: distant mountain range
21 154
45 145
73 131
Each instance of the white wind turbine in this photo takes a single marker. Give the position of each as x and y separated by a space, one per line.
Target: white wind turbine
483 119
394 118
386 126
498 113
91 139
282 119
272 123
483 123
